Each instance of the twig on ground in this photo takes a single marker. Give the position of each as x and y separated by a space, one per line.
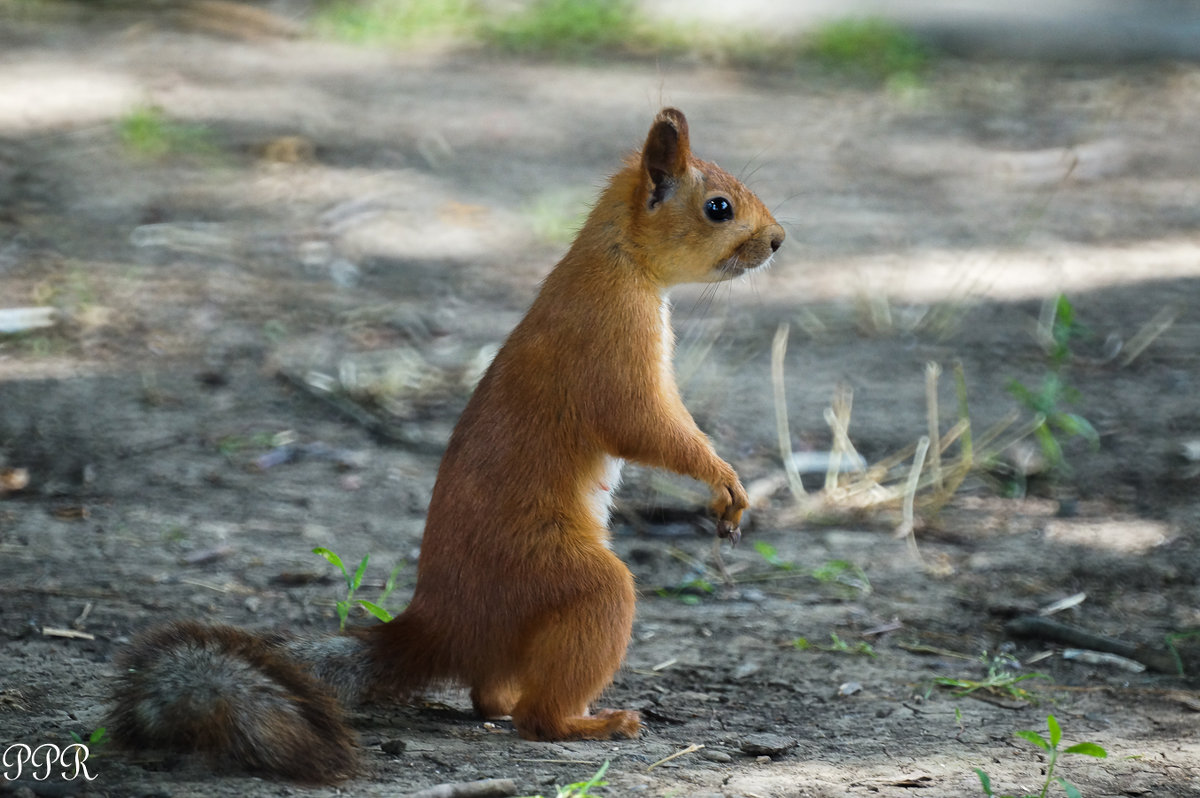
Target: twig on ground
691 749
470 789
70 634
1045 629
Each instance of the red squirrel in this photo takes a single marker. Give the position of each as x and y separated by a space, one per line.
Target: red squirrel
518 597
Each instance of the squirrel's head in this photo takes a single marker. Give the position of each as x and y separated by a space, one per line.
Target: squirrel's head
691 221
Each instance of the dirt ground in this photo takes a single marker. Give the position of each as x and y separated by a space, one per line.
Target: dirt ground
353 206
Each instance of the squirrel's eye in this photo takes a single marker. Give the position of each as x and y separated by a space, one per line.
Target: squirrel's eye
718 209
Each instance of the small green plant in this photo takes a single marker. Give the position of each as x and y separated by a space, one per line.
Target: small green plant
836 645
354 582
1002 679
1063 329
1047 403
390 22
869 48
568 28
94 741
1172 640
689 591
148 133
1050 747
580 789
769 553
232 445
1047 400
844 573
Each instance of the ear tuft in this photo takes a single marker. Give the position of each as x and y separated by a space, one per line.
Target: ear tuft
666 154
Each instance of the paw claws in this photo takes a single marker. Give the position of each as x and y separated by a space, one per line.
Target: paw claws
733 532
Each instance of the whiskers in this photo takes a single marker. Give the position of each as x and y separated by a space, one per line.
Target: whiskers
703 306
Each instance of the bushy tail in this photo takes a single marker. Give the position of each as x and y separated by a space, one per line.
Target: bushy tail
267 704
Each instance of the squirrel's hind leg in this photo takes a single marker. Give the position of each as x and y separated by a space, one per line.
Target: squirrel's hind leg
572 658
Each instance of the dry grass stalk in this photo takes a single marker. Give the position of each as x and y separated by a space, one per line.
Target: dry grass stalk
778 350
920 478
932 372
1149 333
838 419
907 528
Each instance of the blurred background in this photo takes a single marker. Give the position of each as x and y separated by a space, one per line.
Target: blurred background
254 255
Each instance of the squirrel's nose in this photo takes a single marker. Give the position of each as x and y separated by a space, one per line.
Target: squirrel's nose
777 236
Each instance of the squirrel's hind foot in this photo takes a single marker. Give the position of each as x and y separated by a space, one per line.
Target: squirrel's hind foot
604 725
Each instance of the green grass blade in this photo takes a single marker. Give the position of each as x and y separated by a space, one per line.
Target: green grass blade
986 782
1070 789
1088 749
1035 738
358 573
375 609
330 556
390 584
343 611
1055 731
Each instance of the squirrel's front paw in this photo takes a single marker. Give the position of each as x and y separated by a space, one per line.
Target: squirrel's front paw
730 501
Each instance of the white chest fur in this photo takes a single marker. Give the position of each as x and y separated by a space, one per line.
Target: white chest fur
601 497
668 336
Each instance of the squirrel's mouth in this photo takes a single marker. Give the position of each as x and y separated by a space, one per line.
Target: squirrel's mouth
739 264
754 253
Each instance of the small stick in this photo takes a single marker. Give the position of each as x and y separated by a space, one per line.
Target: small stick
778 349
70 634
1064 604
1046 629
486 788
691 749
83 616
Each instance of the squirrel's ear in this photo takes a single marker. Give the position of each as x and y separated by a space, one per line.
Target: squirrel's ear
665 156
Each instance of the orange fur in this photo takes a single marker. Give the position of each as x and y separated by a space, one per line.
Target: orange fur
518 596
